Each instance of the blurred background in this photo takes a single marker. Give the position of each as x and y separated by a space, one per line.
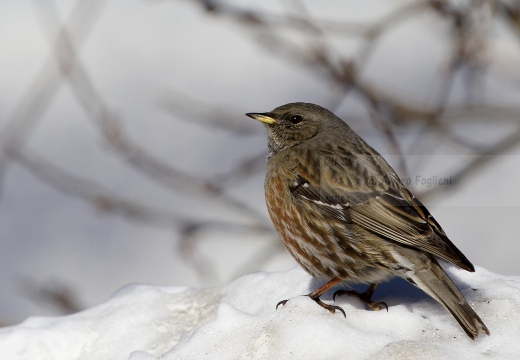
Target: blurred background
125 155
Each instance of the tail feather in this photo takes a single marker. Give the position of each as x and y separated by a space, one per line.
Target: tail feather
436 283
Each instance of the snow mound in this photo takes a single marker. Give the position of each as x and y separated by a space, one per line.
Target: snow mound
239 321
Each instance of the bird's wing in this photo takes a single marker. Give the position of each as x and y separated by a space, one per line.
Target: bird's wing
388 214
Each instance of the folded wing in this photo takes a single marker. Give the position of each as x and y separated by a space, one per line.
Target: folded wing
393 215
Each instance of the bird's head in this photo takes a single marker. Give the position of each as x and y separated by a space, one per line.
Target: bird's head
291 124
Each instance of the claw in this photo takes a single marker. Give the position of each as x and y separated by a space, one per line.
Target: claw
331 308
382 305
283 302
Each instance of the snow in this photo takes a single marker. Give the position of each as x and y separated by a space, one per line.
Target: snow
239 321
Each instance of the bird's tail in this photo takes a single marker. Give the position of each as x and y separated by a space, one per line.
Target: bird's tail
436 283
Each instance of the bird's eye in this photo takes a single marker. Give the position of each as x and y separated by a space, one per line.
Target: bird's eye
296 119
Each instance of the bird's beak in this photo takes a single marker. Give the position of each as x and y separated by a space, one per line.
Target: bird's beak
263 117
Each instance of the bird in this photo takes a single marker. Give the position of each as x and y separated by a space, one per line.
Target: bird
345 216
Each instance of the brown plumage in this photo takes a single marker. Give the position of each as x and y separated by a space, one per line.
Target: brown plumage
345 216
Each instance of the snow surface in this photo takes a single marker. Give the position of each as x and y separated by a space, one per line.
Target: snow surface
239 321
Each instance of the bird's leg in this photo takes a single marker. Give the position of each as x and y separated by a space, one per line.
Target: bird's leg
315 295
365 297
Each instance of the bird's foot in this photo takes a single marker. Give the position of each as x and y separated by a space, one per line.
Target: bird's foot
315 295
364 297
331 308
